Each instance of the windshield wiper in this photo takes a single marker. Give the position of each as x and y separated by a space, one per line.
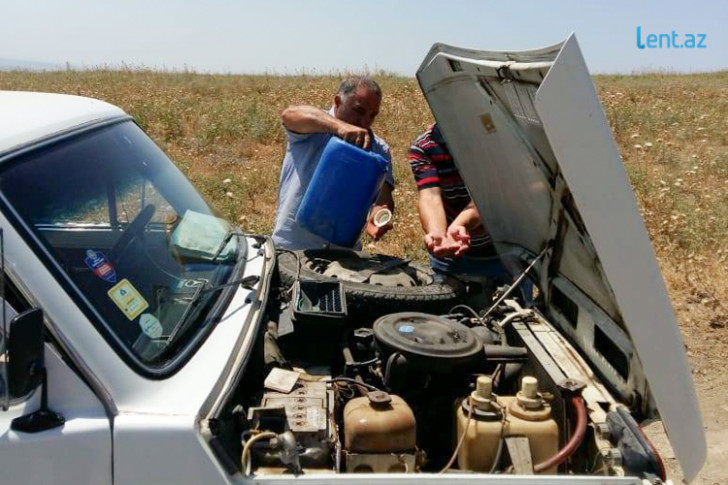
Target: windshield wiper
232 232
179 327
182 325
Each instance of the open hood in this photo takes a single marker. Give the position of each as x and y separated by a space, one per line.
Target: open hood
528 133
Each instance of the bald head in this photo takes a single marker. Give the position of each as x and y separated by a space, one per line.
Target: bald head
350 84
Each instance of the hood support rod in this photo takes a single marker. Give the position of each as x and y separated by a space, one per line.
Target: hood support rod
515 284
557 232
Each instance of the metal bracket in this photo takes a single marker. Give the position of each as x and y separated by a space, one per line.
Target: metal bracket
571 386
520 452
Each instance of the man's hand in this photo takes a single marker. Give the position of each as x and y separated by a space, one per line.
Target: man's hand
354 135
307 119
377 232
441 245
372 229
453 243
459 234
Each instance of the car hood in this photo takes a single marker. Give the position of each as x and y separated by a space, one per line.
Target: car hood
528 133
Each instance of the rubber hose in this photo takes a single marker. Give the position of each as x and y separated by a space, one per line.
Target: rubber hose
573 443
247 462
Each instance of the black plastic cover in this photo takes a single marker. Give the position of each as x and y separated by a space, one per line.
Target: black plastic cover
319 298
638 454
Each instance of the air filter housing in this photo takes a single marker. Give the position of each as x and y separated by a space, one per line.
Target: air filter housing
430 342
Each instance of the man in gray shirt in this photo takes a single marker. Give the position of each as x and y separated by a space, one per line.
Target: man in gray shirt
356 105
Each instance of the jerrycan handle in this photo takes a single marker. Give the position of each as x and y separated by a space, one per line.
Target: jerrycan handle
381 161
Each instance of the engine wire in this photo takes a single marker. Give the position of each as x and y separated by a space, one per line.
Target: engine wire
388 367
245 458
351 381
462 305
497 372
499 451
501 441
462 438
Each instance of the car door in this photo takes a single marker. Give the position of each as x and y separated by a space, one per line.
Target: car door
76 453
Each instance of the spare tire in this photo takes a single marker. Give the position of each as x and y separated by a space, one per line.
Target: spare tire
391 284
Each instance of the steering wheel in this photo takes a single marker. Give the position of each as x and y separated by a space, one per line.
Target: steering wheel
134 229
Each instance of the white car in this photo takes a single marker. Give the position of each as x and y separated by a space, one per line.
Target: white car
150 342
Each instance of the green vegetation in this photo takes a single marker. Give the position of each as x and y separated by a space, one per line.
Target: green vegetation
224 132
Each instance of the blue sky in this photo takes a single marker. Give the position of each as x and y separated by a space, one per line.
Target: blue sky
290 36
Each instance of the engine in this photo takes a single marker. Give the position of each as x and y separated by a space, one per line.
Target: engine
407 392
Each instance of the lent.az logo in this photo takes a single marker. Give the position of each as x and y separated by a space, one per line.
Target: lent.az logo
672 40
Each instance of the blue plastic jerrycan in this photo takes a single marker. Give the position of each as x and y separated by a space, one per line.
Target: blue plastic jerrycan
343 187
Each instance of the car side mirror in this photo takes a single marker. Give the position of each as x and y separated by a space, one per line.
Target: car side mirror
26 371
25 352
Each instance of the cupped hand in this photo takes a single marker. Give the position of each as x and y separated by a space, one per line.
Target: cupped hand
459 234
441 245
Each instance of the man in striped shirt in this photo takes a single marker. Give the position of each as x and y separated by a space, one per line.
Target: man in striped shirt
456 239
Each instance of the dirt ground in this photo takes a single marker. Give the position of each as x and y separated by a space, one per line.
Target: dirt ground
711 390
704 324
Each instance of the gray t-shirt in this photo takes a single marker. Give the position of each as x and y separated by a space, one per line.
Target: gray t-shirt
302 156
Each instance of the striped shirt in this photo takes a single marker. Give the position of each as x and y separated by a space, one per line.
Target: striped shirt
433 166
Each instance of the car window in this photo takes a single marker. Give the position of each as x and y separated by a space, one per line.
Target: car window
133 235
135 193
85 203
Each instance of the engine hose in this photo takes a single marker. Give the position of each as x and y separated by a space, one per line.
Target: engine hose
573 443
246 459
512 316
462 438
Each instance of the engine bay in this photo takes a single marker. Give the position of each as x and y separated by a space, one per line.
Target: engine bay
492 390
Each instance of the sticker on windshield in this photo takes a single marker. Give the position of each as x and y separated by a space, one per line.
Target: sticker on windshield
150 326
101 267
128 299
191 283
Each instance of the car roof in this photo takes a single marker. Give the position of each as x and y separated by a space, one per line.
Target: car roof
28 117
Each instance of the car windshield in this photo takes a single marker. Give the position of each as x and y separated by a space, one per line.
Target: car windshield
131 232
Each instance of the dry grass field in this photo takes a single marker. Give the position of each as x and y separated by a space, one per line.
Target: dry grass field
224 132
